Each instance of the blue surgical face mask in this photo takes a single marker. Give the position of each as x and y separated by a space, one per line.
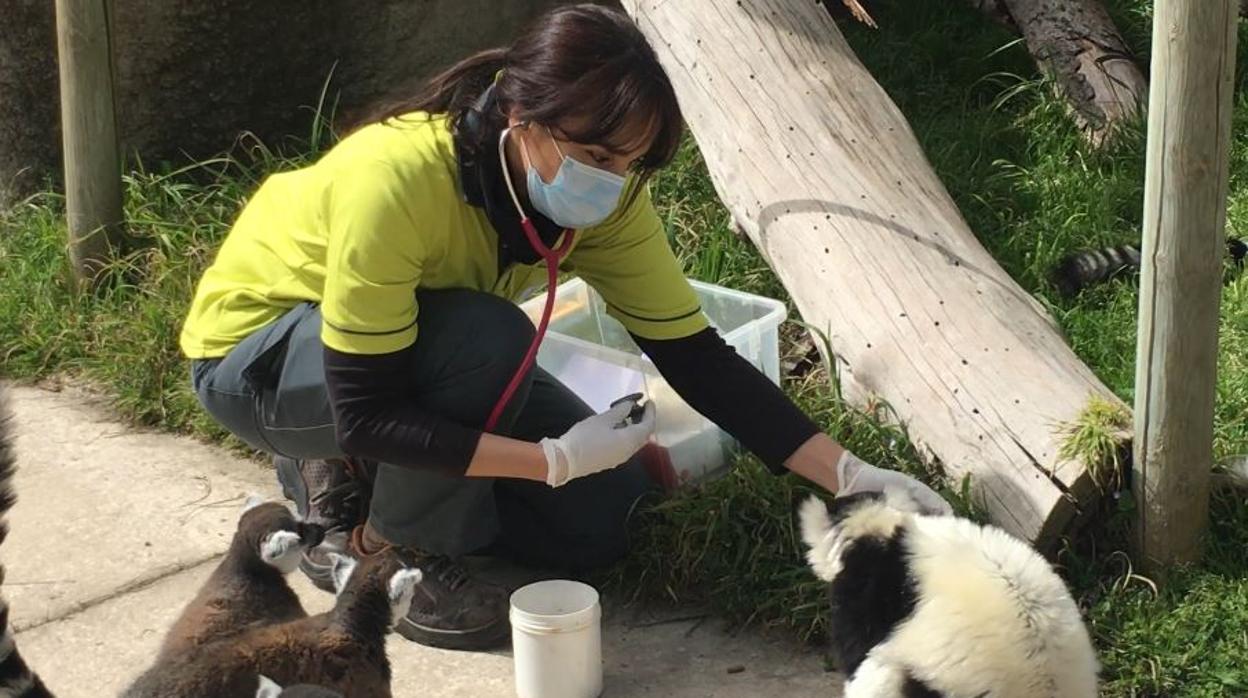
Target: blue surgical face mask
579 196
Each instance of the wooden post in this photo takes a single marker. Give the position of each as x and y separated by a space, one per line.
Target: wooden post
1189 135
89 134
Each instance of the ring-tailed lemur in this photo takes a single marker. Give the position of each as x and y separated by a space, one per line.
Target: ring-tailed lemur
941 607
248 587
343 650
246 624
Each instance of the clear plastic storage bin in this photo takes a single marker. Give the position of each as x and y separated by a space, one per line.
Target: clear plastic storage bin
593 355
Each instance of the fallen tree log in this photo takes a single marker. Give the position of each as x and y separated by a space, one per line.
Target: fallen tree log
1076 42
825 176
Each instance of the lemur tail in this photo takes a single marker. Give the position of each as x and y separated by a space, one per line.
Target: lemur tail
17 680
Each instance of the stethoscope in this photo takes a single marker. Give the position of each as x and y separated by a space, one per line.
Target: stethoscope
552 257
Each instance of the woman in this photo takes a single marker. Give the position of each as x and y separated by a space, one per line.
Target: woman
358 323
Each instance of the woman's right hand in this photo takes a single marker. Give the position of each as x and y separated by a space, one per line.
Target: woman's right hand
597 443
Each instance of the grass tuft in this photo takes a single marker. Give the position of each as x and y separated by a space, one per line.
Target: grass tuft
124 337
1097 439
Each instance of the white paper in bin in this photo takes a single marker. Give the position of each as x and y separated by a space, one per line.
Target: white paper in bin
591 353
598 382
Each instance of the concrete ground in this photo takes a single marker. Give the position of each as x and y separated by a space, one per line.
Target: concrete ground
115 529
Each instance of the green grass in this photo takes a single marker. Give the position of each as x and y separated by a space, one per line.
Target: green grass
124 337
1016 168
1098 438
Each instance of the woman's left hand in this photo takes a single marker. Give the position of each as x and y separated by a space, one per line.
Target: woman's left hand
856 475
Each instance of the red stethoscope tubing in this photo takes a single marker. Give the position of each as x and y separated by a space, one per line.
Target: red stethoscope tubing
552 257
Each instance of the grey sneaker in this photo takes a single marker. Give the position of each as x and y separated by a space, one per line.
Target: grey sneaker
333 494
451 609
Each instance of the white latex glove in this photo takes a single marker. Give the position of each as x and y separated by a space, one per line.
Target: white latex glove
856 475
597 443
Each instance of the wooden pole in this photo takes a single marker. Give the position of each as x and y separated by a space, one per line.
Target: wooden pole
89 134
1189 135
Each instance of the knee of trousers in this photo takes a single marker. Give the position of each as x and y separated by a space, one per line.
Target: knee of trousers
507 330
611 537
488 353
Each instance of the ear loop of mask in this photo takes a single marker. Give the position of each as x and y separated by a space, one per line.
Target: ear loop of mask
555 141
552 257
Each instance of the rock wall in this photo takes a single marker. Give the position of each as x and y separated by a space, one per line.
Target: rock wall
192 75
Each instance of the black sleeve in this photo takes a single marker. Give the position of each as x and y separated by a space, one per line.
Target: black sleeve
726 389
375 418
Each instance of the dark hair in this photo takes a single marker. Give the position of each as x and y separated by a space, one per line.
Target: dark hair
575 61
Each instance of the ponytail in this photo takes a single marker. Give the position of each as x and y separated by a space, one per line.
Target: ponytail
449 92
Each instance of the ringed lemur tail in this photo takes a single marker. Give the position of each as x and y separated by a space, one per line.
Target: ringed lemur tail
17 680
1080 270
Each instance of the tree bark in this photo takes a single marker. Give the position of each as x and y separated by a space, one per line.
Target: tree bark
825 176
1076 42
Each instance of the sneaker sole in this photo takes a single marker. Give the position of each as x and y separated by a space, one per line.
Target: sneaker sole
490 637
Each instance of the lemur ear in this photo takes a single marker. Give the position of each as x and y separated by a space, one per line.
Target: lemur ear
403 584
819 534
342 567
401 590
253 500
268 688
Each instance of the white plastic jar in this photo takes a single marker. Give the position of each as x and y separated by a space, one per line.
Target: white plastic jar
556 629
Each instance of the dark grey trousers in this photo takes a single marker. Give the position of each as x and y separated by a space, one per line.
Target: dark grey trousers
270 392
